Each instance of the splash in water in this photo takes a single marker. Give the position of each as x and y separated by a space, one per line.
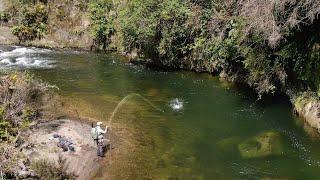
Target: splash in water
176 104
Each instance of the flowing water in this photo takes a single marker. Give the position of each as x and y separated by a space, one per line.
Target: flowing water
201 128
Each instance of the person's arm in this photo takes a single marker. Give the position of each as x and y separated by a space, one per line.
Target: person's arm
100 131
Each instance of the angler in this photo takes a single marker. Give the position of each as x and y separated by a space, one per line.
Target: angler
97 134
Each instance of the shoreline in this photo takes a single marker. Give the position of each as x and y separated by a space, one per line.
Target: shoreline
309 110
82 163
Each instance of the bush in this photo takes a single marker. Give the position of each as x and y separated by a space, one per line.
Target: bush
101 27
21 101
227 37
4 16
4 126
33 24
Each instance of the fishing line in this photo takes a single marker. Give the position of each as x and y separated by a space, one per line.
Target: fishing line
118 107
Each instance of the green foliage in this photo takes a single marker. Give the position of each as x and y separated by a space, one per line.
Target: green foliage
4 16
101 27
21 102
174 31
260 72
158 30
33 23
137 25
4 125
221 37
213 36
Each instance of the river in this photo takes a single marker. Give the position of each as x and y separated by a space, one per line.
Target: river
206 129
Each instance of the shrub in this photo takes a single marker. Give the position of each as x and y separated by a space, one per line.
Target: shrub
33 23
101 27
4 16
4 126
21 101
49 170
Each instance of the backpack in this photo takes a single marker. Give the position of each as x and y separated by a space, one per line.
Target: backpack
94 133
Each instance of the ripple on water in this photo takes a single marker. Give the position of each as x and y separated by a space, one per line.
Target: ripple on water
22 57
303 152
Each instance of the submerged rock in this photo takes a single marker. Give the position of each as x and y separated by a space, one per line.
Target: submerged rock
229 144
262 145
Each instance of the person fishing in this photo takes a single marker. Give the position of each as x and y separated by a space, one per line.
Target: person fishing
97 133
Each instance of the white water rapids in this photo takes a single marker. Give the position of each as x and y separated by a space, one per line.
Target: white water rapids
23 57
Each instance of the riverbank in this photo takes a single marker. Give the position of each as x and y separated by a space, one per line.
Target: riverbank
37 144
194 38
30 129
7 38
305 104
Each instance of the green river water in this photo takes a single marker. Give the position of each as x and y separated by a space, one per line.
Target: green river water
203 124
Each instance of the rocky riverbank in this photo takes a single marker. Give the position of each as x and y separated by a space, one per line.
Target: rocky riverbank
36 145
28 125
39 145
307 105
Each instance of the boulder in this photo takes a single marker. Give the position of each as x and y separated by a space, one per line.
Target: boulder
262 145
